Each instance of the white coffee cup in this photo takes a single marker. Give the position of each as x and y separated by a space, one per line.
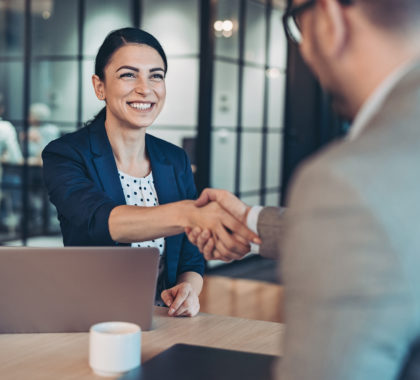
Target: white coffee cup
114 348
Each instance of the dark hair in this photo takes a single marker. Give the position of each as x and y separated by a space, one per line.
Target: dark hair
117 39
395 15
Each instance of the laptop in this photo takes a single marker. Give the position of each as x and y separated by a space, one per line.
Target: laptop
189 362
51 290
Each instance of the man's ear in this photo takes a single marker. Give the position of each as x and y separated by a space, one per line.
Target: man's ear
335 25
99 87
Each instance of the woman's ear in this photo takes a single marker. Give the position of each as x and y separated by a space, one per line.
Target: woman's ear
99 87
336 28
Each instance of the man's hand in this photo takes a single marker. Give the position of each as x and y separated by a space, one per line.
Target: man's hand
214 247
182 300
206 244
231 236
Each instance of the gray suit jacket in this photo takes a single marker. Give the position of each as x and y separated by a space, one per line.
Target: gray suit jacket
351 250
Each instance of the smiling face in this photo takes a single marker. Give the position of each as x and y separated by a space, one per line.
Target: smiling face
133 86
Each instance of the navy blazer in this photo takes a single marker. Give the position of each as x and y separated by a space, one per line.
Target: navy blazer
82 180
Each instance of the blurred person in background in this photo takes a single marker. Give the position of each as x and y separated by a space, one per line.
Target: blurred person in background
9 146
41 132
10 155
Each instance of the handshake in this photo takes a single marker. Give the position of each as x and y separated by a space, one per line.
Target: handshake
218 226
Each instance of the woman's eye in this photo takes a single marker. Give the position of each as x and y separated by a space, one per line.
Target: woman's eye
127 75
157 76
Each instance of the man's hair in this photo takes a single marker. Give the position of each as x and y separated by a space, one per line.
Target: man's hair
394 15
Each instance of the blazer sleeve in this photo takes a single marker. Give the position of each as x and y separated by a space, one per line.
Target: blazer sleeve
271 231
80 203
191 259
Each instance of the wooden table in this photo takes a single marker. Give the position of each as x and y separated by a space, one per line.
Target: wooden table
65 356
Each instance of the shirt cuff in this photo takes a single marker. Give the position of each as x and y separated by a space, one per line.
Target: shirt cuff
252 223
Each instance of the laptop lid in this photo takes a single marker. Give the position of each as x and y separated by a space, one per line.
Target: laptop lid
184 361
69 289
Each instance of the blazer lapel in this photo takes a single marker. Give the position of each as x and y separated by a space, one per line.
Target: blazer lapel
167 189
163 174
104 162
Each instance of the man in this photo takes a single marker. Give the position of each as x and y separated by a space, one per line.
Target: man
351 242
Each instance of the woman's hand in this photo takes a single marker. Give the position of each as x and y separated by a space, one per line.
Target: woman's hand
227 240
182 300
231 236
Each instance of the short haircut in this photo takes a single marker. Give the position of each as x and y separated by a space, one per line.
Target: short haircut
392 14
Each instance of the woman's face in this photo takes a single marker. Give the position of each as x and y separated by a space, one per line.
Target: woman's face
134 86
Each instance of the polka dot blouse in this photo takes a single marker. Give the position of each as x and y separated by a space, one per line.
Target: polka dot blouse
141 192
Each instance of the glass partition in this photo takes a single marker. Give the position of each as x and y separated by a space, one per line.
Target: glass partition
49 17
174 24
12 22
248 99
255 29
12 18
226 28
101 17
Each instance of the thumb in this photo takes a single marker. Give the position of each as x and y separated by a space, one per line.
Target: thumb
203 199
167 297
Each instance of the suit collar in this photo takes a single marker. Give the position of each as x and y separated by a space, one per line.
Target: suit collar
104 161
378 98
163 172
99 142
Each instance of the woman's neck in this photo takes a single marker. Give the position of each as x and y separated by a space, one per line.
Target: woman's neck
129 148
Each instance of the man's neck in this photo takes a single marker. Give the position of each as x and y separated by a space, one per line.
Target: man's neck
376 100
373 66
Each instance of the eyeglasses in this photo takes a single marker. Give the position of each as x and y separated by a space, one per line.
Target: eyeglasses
291 20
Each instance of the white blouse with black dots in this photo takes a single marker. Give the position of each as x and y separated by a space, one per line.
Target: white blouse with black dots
141 192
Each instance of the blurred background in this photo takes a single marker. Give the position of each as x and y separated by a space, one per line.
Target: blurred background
240 101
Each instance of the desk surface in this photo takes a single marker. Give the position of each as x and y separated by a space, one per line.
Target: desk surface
65 356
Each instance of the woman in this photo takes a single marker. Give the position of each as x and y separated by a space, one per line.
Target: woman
113 184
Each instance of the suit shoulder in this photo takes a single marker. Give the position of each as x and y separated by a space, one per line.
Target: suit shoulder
342 157
172 151
336 163
73 141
